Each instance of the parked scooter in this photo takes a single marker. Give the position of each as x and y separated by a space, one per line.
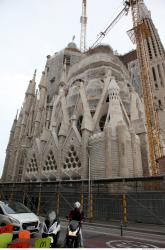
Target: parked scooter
73 238
52 229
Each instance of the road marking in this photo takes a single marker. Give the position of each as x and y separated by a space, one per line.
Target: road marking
128 244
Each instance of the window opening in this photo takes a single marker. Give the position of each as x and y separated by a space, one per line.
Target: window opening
72 159
79 123
50 163
102 122
154 74
32 165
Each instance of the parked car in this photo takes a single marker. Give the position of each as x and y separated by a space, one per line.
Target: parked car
17 214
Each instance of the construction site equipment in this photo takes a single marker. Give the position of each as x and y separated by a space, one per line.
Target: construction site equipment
83 21
123 12
138 34
138 196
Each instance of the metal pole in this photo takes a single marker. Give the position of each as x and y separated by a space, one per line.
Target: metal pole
58 203
89 184
23 199
39 200
121 228
124 208
82 196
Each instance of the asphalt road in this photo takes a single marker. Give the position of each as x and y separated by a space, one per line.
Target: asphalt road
103 237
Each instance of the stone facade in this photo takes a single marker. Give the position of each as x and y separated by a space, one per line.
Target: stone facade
84 117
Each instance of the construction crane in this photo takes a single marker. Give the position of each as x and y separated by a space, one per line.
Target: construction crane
123 12
138 35
83 21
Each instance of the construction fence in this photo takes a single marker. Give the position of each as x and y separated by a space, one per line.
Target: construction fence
125 200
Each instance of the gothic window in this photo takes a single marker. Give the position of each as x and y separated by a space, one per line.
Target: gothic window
58 128
163 67
72 159
160 104
50 163
160 75
102 122
79 122
107 100
154 74
32 165
52 79
156 86
149 49
92 112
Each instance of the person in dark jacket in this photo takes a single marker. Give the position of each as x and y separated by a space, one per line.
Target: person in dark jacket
78 215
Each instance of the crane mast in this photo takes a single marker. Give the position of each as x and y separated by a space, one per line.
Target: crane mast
139 33
83 21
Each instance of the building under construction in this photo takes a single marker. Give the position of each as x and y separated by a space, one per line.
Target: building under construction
92 114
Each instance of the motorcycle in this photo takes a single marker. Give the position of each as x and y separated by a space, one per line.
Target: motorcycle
73 237
52 229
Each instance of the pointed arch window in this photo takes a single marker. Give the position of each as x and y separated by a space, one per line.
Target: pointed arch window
58 128
102 122
50 163
32 165
79 123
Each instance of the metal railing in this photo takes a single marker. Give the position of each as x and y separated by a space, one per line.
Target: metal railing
122 199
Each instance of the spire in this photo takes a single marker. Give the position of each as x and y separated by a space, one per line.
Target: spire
43 89
115 114
43 83
63 75
32 85
83 21
12 131
16 115
143 11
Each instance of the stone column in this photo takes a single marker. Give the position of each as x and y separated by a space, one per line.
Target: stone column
60 161
85 155
123 150
136 161
108 151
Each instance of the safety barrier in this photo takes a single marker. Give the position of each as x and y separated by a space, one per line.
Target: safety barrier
125 200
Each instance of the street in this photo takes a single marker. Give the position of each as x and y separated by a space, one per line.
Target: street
103 237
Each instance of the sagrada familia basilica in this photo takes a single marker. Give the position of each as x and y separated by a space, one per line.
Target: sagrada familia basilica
85 113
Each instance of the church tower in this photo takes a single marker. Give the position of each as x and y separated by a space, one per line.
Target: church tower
156 60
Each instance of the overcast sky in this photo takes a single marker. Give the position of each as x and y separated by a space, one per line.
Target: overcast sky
32 29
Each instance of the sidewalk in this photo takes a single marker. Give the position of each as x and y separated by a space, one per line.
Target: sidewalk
131 226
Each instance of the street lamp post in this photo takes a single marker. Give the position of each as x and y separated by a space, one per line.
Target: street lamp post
89 186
